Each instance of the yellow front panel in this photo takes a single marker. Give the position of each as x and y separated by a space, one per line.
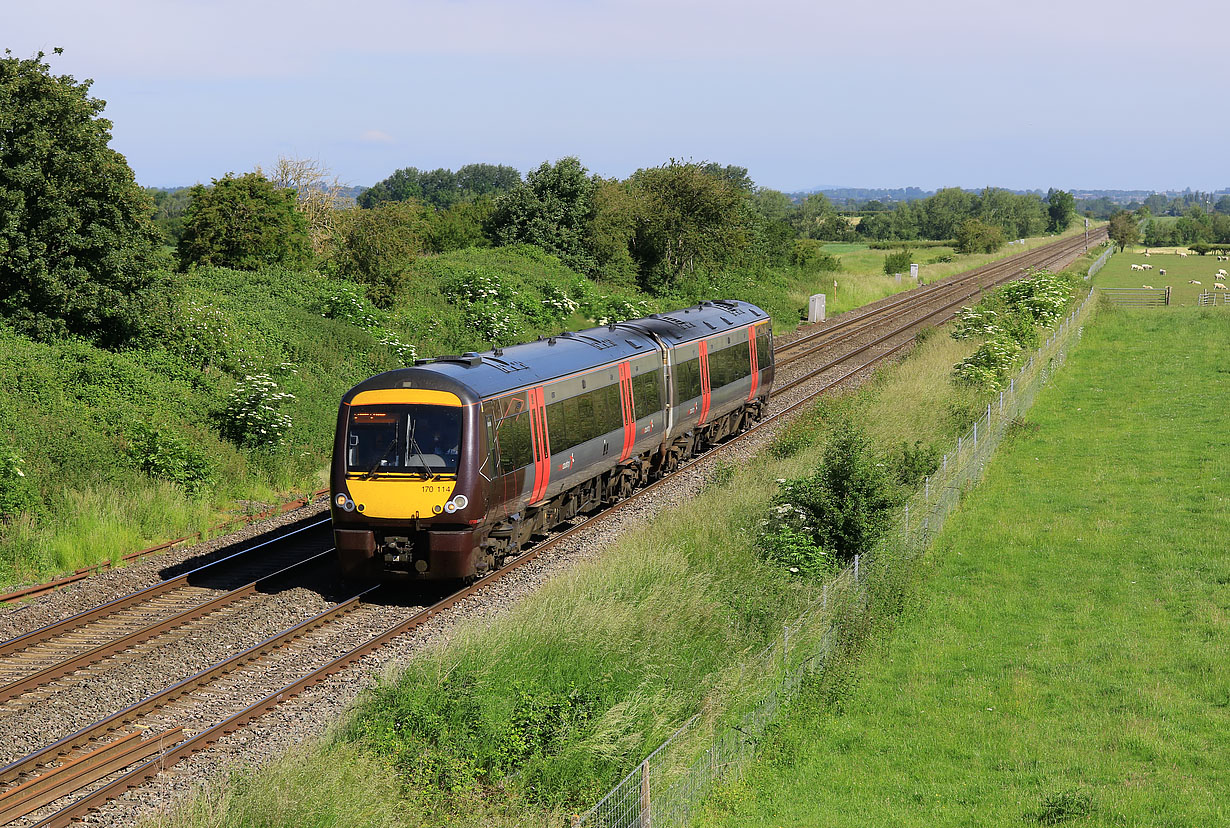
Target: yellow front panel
390 497
384 396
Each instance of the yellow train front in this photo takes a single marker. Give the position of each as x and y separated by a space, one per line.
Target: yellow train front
446 469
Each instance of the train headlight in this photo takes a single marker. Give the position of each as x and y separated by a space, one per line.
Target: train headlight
450 507
437 509
462 501
343 502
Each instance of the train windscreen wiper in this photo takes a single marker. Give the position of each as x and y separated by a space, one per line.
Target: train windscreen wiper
370 473
418 451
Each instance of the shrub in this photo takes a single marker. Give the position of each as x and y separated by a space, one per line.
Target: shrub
898 262
16 491
169 456
830 516
975 236
251 417
910 464
245 223
810 255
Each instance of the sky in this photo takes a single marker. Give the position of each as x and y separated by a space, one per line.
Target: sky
895 93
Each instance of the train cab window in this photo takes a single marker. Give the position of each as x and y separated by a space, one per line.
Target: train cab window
403 439
687 380
647 393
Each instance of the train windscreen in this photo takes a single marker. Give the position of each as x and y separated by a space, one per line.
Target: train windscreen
403 439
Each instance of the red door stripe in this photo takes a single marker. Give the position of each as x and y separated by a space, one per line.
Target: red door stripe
628 407
704 382
751 346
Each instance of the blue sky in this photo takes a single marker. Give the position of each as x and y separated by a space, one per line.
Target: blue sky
877 94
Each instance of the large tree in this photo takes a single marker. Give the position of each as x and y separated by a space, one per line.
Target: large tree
78 246
692 217
245 223
1124 229
552 209
1061 207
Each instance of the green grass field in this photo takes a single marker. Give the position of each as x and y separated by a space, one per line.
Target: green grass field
1118 272
1064 659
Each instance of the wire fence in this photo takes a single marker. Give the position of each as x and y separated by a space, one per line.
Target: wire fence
1101 261
667 786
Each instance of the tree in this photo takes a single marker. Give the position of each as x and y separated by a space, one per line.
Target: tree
245 223
1124 229
377 246
1061 207
975 236
945 211
78 247
608 233
692 216
318 195
551 209
442 188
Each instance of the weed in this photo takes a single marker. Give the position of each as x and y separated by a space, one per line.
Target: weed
1063 806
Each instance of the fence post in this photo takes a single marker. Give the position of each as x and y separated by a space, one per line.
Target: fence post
927 489
824 598
856 568
907 522
945 464
1001 402
646 819
975 434
1012 385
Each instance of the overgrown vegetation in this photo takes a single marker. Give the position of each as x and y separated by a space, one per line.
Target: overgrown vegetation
1007 321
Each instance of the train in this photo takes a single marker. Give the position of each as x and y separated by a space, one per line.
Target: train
450 467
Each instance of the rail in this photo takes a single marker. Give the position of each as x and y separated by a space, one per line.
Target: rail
665 788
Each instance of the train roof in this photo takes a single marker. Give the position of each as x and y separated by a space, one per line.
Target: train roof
498 371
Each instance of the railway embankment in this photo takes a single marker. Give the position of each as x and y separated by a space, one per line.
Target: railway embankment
540 713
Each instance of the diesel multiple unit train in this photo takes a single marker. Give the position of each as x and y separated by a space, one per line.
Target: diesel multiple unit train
446 469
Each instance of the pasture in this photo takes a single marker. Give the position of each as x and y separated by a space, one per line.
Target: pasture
1118 272
1063 659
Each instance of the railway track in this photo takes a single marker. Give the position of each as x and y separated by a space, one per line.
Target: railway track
126 748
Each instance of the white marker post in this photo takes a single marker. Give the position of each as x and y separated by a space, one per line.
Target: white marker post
815 308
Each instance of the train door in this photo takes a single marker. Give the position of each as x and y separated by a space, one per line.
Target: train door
541 440
751 347
705 395
627 405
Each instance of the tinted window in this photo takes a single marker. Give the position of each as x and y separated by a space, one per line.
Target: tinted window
513 435
729 365
687 380
647 393
403 439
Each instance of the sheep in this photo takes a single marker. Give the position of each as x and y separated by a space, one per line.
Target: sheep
1147 287
1192 282
1219 286
1146 254
1161 271
1221 271
1181 254
1147 267
1138 267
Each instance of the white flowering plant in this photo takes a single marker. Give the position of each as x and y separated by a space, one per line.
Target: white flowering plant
347 304
251 417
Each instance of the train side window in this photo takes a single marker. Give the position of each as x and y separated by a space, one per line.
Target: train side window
514 438
687 380
557 427
647 393
729 365
608 409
